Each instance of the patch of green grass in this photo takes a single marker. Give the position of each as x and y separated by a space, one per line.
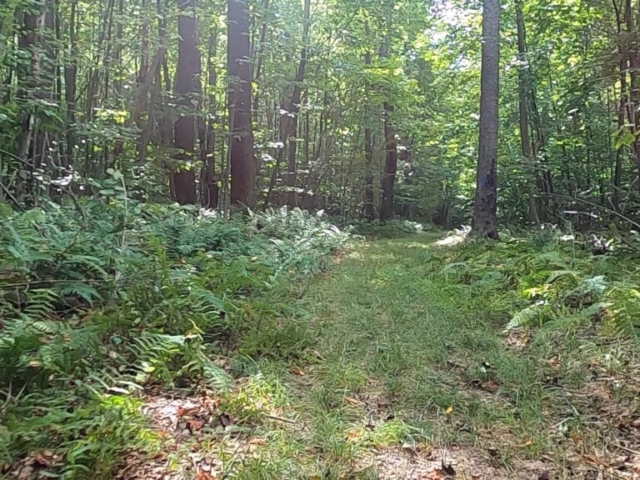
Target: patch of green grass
412 348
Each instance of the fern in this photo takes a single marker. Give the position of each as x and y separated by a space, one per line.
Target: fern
525 317
81 290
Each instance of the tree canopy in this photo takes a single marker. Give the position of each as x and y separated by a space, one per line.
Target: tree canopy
362 108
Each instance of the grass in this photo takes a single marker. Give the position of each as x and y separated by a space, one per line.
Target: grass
406 356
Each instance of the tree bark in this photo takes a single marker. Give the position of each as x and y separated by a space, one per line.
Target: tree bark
70 82
187 87
525 138
391 147
290 117
633 56
485 209
367 209
243 165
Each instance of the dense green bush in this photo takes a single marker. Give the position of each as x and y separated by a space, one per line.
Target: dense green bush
552 280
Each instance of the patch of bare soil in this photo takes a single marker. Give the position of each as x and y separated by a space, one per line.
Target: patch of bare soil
409 463
181 423
517 339
607 443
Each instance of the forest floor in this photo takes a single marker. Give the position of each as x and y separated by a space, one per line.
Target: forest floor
407 374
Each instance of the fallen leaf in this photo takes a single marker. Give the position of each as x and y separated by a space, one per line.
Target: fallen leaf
225 420
296 371
195 425
257 441
35 363
353 435
202 475
528 443
595 460
494 452
353 401
490 385
448 469
449 410
42 460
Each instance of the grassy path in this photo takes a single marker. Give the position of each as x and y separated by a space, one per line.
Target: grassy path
407 375
409 361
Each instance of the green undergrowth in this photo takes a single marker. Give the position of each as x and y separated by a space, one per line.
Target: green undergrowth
418 345
103 298
405 342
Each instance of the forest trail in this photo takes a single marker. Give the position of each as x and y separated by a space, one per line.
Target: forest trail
408 376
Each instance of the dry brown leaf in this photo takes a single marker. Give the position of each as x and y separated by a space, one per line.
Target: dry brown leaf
42 460
195 425
202 475
257 441
594 460
297 371
435 475
353 401
490 386
353 435
448 469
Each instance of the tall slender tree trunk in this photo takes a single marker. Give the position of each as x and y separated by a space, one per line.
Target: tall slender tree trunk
485 210
260 58
633 55
243 165
70 75
187 87
28 76
208 181
290 117
525 138
368 207
391 147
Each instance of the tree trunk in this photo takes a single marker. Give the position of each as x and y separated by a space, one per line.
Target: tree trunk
289 118
484 215
634 88
243 165
525 139
367 208
260 58
187 87
391 148
209 192
29 77
70 74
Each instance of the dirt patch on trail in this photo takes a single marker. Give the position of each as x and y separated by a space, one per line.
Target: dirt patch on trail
408 463
182 423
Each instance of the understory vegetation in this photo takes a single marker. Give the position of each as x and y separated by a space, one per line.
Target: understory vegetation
509 353
224 249
102 298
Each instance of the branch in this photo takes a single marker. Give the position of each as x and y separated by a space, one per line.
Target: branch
587 202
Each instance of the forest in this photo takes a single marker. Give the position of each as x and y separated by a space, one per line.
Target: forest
328 239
